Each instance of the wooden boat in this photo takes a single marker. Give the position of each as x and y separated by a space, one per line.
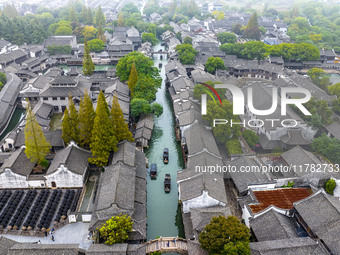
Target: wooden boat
167 183
153 171
166 156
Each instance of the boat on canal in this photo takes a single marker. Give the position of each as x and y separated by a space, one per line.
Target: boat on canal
167 183
166 156
153 171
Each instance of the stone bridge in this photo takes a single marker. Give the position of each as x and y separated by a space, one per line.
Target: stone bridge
167 245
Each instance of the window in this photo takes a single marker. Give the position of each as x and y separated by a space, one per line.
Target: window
54 98
42 185
56 108
63 108
62 98
45 98
53 184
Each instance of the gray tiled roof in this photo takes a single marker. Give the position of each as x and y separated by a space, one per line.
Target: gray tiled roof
53 137
18 163
116 249
192 184
72 157
334 129
243 179
201 217
44 249
294 136
272 225
321 213
125 154
292 246
200 139
6 244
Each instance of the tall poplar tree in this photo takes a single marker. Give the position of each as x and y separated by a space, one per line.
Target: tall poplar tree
120 21
88 66
103 140
74 121
89 17
72 17
83 14
86 119
70 124
252 30
65 126
133 78
37 147
101 35
99 18
121 129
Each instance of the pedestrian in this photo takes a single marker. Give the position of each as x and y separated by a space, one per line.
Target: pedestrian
52 229
52 238
39 242
168 244
45 233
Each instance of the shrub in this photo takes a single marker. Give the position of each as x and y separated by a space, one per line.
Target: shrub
330 186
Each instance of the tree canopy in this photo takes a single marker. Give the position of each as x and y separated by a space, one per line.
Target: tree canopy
116 229
37 147
186 54
225 37
96 45
223 235
252 30
149 37
213 64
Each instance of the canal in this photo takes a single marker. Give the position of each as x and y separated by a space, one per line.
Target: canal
164 217
17 116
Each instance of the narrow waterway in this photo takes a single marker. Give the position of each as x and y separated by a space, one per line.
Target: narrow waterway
17 116
163 215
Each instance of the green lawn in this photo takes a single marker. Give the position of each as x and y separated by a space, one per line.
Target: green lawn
56 121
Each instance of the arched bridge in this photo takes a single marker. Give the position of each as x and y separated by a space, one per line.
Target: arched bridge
168 245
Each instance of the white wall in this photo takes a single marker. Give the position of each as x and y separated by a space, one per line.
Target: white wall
200 202
64 178
11 180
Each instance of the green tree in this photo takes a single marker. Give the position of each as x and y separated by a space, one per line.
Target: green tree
120 128
149 37
141 106
146 88
187 40
144 65
236 248
103 140
330 186
86 119
96 45
336 105
133 78
120 22
221 231
88 66
37 147
319 77
219 15
233 146
89 17
101 35
237 29
130 8
59 49
226 37
252 30
3 78
74 121
251 138
328 147
222 133
116 229
72 17
65 126
335 89
186 54
99 17
83 14
213 64
63 30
